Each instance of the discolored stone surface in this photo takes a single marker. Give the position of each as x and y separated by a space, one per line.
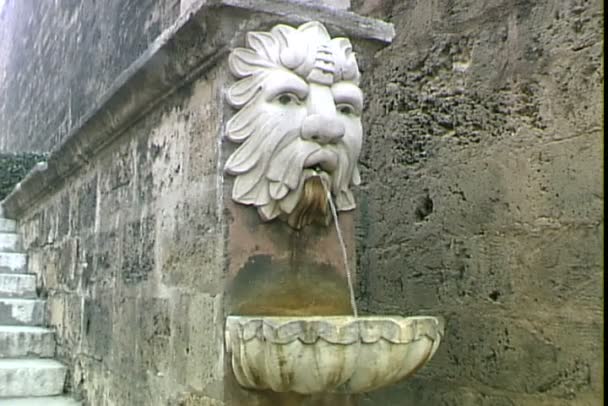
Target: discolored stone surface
265 286
129 256
483 197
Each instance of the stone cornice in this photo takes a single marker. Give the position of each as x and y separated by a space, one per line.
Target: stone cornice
338 21
193 44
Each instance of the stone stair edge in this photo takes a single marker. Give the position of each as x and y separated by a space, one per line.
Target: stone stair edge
30 362
8 225
27 377
40 401
22 311
13 264
27 342
4 328
18 285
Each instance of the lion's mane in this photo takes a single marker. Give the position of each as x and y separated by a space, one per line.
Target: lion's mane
265 139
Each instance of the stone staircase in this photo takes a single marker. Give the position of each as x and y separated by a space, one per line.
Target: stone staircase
28 373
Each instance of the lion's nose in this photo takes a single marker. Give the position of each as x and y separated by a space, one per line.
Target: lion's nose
322 129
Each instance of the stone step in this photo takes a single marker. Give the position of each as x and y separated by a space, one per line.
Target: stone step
9 242
19 312
20 377
7 226
17 285
40 401
26 341
13 262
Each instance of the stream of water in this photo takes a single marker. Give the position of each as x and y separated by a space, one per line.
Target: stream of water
349 278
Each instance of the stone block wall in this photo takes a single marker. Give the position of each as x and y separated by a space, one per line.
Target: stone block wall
58 58
129 254
483 197
482 203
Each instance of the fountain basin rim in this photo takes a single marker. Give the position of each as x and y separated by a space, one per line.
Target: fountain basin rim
343 330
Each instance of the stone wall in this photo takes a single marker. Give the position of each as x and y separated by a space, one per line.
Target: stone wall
482 203
129 254
126 226
58 58
483 197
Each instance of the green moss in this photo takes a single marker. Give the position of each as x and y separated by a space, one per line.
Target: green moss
14 167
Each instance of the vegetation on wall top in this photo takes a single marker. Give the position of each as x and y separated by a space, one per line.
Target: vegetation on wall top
14 167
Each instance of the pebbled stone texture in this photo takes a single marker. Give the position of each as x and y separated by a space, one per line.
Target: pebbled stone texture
483 197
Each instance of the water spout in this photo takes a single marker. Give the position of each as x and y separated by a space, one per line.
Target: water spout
334 214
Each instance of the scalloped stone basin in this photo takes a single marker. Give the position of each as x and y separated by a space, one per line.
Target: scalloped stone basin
320 354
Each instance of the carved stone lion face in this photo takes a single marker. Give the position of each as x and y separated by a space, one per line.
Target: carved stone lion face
298 124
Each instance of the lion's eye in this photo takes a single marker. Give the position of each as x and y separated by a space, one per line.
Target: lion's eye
287 99
346 109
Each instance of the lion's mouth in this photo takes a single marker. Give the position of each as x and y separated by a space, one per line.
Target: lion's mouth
322 160
313 204
321 164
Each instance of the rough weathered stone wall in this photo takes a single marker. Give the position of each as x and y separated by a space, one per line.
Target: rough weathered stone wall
129 253
58 58
483 197
482 203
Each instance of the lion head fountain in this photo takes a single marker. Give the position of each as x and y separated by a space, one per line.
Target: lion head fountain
298 124
298 127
